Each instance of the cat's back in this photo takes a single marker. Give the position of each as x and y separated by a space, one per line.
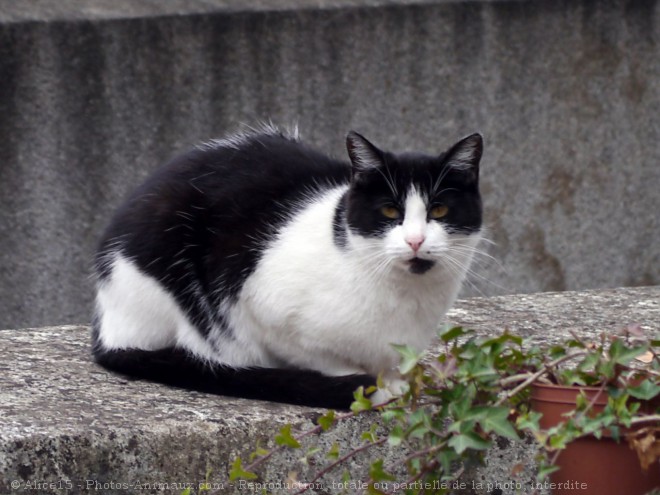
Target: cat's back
266 166
224 197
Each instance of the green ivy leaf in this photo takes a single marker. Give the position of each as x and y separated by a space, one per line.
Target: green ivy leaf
327 420
238 472
571 377
529 421
393 414
285 438
452 334
259 452
370 436
619 404
560 440
447 458
409 358
377 472
395 436
557 352
575 343
333 453
589 362
460 408
646 390
581 401
495 420
545 470
592 426
503 339
469 440
622 354
361 403
606 368
615 433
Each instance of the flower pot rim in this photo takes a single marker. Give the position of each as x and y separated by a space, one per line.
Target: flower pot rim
566 394
554 386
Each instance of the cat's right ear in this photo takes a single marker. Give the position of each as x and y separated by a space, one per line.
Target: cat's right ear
465 156
364 155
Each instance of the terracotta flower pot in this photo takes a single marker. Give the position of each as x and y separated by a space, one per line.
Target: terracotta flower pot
591 466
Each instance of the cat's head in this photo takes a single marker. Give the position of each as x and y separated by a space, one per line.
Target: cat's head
411 210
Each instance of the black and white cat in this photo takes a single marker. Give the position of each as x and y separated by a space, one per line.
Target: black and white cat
256 266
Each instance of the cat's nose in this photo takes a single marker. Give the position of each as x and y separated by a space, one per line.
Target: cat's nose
415 242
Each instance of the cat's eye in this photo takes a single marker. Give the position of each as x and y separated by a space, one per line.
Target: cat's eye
390 212
438 212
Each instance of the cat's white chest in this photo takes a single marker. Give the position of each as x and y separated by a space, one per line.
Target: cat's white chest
314 305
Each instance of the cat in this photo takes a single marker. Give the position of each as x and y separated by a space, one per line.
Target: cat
256 266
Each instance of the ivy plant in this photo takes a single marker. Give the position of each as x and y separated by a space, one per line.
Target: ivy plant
475 390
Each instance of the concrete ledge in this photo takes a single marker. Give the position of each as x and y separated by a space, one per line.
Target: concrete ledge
67 423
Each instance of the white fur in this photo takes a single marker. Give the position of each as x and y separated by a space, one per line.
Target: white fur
415 227
308 303
136 312
248 134
338 312
464 157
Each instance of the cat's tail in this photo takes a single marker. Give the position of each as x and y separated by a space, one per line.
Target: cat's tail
176 367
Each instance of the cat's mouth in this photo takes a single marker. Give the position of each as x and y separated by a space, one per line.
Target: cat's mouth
419 266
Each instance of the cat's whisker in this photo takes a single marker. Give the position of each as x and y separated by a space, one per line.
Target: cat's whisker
379 271
377 264
475 251
459 269
387 175
469 272
481 258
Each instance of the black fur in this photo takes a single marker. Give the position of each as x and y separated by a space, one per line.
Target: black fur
420 266
459 188
175 367
340 235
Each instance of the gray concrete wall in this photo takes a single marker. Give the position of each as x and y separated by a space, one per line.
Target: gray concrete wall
66 421
95 94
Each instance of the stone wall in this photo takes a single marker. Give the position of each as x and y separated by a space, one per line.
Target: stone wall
95 94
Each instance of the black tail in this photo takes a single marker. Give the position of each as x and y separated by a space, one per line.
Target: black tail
178 368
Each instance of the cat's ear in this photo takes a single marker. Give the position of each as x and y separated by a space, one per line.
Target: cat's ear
364 155
466 155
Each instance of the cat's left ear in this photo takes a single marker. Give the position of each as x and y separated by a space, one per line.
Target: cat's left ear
466 155
364 155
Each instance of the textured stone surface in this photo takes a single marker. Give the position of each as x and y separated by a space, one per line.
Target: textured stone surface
63 420
95 94
57 10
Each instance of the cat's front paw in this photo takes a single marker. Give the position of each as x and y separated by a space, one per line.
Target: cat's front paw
393 388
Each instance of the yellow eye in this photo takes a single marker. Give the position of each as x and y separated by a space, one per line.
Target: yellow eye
390 212
438 212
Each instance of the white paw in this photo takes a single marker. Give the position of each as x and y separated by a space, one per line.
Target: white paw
393 388
397 386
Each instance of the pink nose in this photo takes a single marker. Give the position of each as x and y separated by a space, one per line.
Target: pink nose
415 243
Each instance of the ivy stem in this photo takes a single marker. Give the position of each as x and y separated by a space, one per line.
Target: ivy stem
535 376
652 418
300 436
312 431
308 485
419 453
